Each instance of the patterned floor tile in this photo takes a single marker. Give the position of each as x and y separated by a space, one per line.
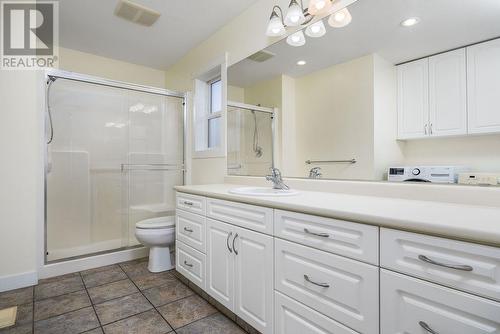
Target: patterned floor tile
148 322
215 324
73 322
24 321
168 293
135 268
151 280
185 311
50 307
123 307
113 290
57 287
16 297
103 275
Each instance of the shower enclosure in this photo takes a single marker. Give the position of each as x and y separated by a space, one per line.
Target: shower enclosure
114 153
250 139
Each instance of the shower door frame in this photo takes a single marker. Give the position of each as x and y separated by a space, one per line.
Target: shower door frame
52 268
266 110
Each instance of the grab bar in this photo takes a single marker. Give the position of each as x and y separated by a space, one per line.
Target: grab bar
152 167
350 161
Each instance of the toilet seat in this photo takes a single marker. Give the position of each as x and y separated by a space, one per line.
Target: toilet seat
156 223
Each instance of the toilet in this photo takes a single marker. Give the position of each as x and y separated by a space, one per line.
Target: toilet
158 234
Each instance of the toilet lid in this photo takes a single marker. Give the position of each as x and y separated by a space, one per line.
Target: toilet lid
156 223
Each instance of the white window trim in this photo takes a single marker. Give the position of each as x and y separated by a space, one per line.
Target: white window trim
217 69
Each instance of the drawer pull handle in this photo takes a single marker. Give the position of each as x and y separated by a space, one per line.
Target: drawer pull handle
227 242
188 264
188 229
451 266
323 285
235 251
427 327
188 203
323 235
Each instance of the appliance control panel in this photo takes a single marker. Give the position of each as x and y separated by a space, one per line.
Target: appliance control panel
436 174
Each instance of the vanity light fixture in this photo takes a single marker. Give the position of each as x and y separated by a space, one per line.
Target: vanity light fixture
276 26
340 19
296 39
410 22
301 62
316 29
318 7
297 15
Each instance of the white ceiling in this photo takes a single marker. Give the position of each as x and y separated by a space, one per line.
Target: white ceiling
91 26
375 28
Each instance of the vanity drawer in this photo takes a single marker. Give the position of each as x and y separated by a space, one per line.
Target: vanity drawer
340 288
357 241
442 260
411 305
191 203
253 217
293 317
191 230
190 263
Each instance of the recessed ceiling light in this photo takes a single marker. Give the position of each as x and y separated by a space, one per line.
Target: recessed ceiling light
301 62
410 22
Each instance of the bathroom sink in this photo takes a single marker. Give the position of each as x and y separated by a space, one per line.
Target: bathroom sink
262 191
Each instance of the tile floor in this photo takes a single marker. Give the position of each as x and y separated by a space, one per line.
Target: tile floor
121 298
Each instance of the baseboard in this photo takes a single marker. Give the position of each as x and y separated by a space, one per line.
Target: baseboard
17 281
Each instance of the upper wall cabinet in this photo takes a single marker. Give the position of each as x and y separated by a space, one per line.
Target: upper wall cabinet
450 94
483 84
447 94
413 99
432 97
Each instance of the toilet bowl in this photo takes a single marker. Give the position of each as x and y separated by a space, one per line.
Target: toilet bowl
158 234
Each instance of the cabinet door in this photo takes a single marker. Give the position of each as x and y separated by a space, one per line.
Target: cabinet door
254 279
447 94
412 306
413 99
483 86
220 263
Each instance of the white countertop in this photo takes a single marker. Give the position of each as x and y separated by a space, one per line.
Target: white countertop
480 224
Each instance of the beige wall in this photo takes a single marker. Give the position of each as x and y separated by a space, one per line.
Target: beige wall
86 63
334 115
21 173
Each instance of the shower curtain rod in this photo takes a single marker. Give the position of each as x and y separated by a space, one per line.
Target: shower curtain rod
55 74
249 107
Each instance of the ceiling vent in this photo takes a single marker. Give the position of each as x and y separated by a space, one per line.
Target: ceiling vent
136 13
261 56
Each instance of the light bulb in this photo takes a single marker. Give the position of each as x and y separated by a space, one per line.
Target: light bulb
275 26
340 19
317 7
296 39
295 15
410 22
301 62
316 29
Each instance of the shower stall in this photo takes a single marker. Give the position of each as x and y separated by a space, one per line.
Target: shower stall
250 139
114 153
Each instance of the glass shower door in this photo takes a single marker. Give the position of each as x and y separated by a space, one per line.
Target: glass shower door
84 189
115 157
155 159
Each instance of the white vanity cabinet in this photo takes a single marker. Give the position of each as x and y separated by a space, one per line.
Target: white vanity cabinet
285 272
450 94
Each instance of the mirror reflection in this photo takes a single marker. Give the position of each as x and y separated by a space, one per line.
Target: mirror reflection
408 94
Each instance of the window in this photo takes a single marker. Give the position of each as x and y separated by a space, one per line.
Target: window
215 112
209 111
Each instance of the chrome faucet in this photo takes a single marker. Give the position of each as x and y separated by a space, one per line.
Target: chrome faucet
276 179
315 173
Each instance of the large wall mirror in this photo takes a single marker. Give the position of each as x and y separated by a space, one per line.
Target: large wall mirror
408 90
